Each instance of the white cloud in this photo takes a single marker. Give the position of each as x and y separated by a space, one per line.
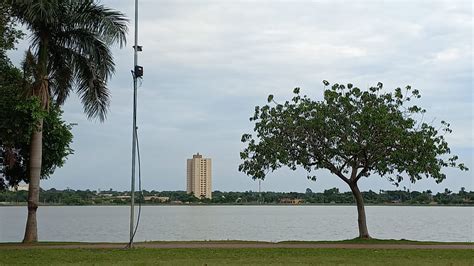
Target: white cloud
449 54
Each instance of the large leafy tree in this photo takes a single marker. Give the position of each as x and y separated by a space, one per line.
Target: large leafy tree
353 134
19 115
18 119
13 116
71 41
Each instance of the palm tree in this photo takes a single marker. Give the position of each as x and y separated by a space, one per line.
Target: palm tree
71 42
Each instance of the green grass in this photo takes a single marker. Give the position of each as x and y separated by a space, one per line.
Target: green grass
277 256
348 241
382 241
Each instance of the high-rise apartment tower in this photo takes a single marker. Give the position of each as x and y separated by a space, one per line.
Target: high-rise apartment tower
199 176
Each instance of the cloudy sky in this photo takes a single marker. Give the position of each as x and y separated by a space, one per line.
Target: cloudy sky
209 63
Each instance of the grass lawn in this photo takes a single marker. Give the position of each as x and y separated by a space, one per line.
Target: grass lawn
244 256
382 241
347 241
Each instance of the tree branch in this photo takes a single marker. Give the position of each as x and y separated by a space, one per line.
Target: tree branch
354 173
361 173
333 169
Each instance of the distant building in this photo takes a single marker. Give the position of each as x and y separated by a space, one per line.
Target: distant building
156 198
199 177
291 201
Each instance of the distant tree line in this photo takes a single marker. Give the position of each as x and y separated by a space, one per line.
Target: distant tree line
329 196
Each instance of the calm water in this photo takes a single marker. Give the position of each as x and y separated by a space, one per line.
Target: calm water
266 223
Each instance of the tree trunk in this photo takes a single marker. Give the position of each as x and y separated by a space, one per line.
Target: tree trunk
361 219
36 151
40 90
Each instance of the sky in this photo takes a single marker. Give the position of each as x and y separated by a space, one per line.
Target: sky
207 64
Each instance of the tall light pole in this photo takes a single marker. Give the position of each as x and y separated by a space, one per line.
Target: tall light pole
137 72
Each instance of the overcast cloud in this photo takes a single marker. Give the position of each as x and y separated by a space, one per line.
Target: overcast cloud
208 63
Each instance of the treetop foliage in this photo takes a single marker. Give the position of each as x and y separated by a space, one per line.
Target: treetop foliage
9 35
352 133
71 42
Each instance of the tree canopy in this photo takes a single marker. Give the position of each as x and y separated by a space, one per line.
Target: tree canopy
18 118
353 134
71 42
9 34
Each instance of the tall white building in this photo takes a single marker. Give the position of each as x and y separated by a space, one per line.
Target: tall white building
199 175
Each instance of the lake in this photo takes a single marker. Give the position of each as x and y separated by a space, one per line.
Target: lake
264 223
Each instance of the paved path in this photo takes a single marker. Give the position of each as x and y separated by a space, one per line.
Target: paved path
236 245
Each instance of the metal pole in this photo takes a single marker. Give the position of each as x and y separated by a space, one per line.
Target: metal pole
259 191
134 131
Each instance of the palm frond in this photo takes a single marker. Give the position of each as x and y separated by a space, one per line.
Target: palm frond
61 73
29 67
37 15
77 35
95 97
89 44
92 89
110 24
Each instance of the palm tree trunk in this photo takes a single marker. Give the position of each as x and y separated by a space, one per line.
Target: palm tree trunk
361 219
36 151
40 90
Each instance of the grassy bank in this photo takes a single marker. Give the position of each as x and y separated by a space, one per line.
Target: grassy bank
382 241
60 253
347 241
277 256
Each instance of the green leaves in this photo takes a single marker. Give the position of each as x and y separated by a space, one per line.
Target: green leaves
72 40
9 35
352 133
57 138
15 135
246 137
18 119
270 98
